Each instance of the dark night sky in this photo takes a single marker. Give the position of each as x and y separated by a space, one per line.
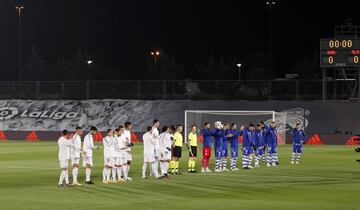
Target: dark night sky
123 32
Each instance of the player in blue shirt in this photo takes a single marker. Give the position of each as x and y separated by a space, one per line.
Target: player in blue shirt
225 147
264 128
218 137
271 144
248 145
207 134
234 145
259 144
298 140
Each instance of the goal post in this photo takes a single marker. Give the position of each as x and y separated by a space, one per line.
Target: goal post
240 117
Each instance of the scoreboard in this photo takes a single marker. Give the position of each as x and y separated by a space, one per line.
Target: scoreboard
340 52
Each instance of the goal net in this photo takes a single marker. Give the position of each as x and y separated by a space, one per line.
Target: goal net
199 117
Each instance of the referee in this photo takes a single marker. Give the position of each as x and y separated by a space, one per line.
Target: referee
176 153
192 146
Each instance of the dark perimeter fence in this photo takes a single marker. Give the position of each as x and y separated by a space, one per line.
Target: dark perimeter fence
164 90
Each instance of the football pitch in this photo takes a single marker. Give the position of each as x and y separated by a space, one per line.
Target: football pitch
328 178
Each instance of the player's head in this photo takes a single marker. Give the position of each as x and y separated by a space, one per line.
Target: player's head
233 126
179 128
121 129
207 125
251 127
79 130
226 126
93 130
259 127
164 129
117 131
128 125
171 129
148 129
65 133
298 126
218 125
262 124
109 132
272 124
193 128
156 123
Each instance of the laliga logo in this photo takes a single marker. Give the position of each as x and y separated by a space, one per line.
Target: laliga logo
7 113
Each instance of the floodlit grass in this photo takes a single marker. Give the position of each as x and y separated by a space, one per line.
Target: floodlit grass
328 178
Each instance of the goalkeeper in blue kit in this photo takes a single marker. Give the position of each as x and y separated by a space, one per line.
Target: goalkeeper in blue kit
298 140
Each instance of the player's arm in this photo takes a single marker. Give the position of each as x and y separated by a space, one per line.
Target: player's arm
304 136
91 144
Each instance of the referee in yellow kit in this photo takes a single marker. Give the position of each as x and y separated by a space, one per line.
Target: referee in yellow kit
176 152
192 146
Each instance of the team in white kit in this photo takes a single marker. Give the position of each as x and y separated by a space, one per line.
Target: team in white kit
117 155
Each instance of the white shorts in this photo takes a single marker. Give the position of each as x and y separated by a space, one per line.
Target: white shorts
149 158
165 155
109 161
120 160
128 157
75 160
87 161
64 163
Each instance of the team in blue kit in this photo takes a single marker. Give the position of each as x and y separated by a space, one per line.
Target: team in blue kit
259 142
298 140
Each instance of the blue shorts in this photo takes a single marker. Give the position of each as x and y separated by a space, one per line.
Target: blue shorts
272 149
234 151
260 151
297 148
218 152
225 148
247 151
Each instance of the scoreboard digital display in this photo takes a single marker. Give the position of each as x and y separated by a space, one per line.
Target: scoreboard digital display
340 52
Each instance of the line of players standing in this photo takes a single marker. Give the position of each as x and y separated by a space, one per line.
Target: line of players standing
259 143
256 141
117 154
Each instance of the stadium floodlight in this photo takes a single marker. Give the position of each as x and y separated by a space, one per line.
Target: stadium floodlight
239 69
240 117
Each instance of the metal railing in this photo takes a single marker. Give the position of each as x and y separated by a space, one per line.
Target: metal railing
164 90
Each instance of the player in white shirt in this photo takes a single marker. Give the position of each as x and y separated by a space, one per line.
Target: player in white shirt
155 135
109 156
149 156
127 134
64 155
75 154
124 148
120 153
166 140
88 148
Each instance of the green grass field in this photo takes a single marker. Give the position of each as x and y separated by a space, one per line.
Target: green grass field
328 178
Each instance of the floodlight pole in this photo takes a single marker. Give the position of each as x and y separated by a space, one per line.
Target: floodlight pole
19 10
